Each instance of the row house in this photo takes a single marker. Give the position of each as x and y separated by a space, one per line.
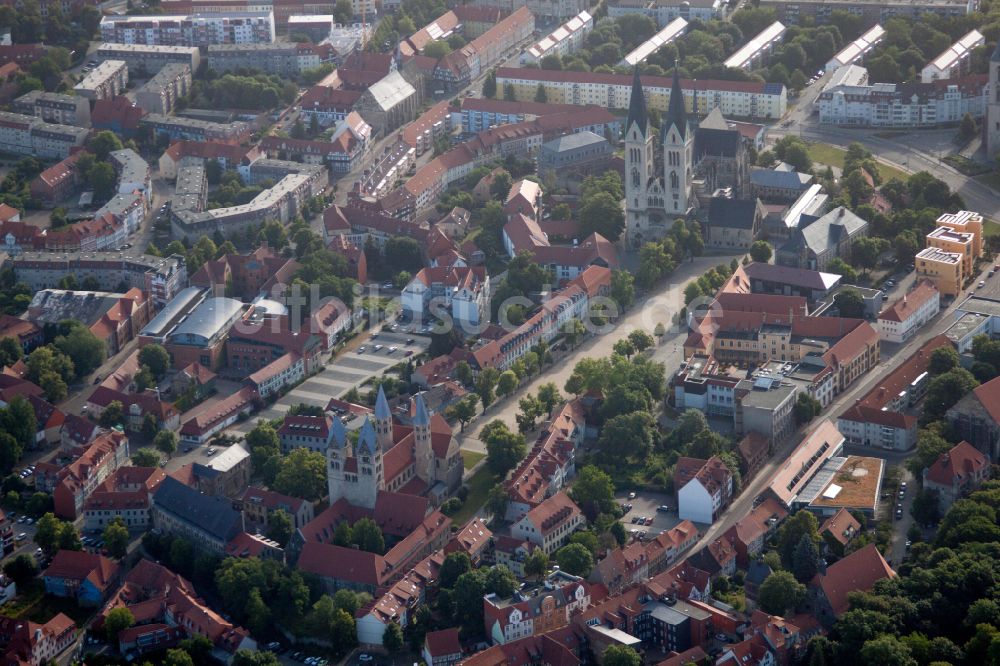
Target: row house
127 495
883 417
535 611
704 488
550 463
75 482
550 524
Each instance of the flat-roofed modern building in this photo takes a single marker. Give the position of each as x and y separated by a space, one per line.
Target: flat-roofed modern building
750 53
953 59
942 268
190 29
317 27
160 93
148 59
160 277
674 29
278 58
54 107
106 80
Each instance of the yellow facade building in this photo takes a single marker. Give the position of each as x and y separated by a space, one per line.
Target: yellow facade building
968 222
942 268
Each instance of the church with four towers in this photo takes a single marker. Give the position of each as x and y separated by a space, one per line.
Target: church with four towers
413 453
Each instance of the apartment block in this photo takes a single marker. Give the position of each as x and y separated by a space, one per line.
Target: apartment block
159 94
942 268
562 41
486 50
27 135
148 59
199 29
900 321
957 242
196 130
54 107
665 11
870 11
105 81
748 99
280 58
903 104
966 221
294 184
160 277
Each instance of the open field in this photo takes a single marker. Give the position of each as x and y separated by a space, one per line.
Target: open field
824 153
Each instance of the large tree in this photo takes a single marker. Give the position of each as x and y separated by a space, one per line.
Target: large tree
780 593
504 449
116 538
302 474
575 559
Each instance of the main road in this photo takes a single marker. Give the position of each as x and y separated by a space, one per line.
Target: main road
658 307
744 502
904 151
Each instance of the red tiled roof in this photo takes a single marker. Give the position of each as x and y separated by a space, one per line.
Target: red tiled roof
79 566
552 513
841 526
988 395
857 572
911 302
898 380
960 462
442 643
346 564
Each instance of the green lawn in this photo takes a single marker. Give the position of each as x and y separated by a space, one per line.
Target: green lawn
991 228
470 458
824 153
479 487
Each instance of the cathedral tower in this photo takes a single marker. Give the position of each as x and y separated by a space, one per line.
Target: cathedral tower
383 420
423 446
639 163
678 153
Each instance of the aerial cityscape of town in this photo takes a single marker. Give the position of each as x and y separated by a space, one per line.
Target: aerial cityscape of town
484 333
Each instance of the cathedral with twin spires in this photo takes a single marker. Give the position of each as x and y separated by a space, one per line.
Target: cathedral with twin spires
414 453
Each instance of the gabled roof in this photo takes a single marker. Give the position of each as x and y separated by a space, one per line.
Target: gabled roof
80 566
988 395
857 572
957 464
841 526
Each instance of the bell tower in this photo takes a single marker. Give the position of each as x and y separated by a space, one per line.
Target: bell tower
383 420
639 163
678 153
423 444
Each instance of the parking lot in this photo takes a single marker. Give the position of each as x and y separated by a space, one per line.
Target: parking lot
348 371
647 505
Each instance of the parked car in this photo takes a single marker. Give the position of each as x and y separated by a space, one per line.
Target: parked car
663 508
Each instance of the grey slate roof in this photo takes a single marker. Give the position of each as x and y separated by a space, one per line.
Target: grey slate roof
573 141
828 230
213 515
732 213
790 180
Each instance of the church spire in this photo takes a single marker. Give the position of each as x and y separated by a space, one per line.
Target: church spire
637 106
675 110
